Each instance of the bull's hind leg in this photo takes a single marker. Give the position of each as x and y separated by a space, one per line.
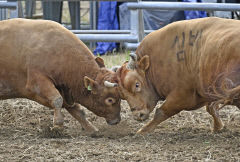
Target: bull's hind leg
79 114
41 89
212 110
175 102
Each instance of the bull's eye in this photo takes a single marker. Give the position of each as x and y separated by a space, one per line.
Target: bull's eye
138 87
110 101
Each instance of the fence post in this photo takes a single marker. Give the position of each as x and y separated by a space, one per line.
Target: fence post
30 8
136 25
74 8
140 24
14 13
93 19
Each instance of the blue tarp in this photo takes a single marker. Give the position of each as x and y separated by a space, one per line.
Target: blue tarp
194 14
107 20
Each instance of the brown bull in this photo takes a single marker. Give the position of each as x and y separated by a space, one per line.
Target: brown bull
44 62
189 64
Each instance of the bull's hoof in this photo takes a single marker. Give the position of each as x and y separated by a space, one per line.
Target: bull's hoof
58 123
218 129
58 119
91 129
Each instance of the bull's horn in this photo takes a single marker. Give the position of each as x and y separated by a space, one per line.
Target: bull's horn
115 68
109 84
132 61
133 56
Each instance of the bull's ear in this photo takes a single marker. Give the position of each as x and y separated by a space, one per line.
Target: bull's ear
100 62
90 84
144 63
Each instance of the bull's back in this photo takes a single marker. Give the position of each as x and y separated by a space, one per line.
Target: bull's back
186 54
41 45
26 39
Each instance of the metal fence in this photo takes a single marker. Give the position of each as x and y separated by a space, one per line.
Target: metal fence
137 7
8 9
132 37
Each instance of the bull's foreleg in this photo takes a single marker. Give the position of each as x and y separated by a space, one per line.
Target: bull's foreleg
41 89
212 110
79 114
175 102
159 116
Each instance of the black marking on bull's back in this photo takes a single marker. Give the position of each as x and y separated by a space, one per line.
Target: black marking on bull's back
181 55
177 42
179 46
193 38
183 39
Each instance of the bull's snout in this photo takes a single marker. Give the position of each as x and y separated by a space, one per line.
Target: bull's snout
140 115
114 121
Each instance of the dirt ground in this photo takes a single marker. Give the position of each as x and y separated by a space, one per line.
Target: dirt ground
25 135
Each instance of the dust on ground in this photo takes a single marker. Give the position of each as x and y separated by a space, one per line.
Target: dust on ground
26 135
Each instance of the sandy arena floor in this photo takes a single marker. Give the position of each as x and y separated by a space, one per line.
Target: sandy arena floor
25 135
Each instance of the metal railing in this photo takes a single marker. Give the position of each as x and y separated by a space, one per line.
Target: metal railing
7 5
10 5
179 6
185 6
132 37
108 37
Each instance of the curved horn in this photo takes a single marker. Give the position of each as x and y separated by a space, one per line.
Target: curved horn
132 61
133 56
109 84
115 68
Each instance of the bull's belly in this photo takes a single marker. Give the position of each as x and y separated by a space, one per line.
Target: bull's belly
7 91
11 84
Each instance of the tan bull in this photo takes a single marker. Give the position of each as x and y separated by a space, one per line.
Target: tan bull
189 64
44 62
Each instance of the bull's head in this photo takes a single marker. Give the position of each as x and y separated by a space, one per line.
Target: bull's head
104 97
135 87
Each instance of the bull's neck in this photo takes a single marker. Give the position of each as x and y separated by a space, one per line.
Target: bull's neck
150 81
77 91
149 75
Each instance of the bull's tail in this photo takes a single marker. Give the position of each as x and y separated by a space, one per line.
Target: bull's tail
225 91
